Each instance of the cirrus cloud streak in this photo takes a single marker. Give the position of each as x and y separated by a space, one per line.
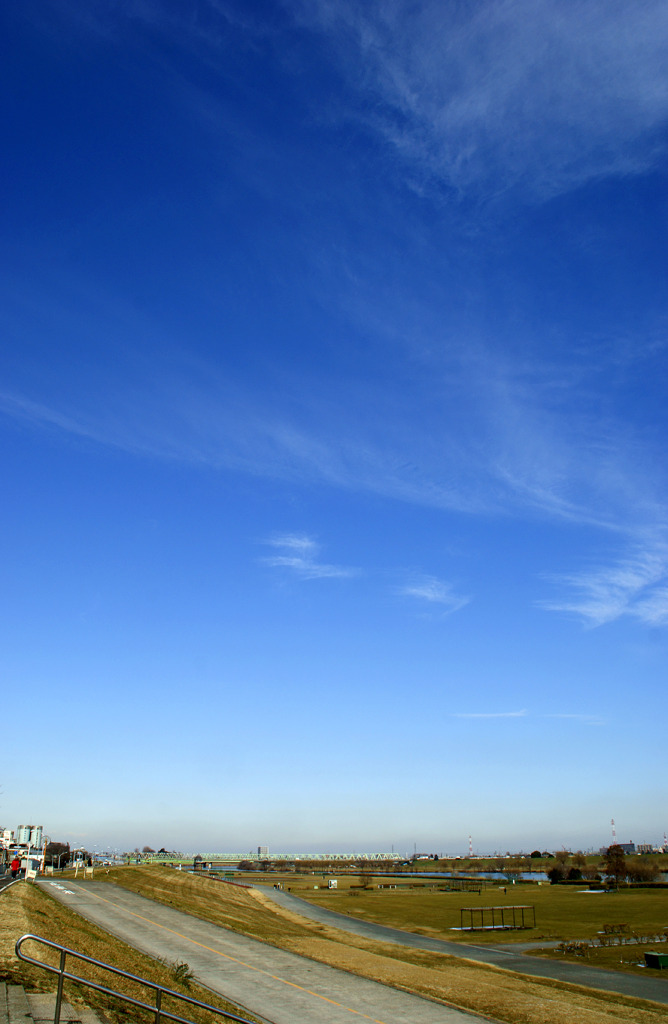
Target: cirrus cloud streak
298 554
545 94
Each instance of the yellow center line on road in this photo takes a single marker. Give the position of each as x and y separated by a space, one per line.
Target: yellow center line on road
226 956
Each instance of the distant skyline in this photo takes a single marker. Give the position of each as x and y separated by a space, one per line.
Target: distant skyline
333 404
456 848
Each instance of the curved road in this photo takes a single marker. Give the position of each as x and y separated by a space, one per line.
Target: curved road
279 986
510 959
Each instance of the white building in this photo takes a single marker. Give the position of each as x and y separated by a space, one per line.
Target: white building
6 838
29 835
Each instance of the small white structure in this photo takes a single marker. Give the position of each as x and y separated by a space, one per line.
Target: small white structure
6 838
31 862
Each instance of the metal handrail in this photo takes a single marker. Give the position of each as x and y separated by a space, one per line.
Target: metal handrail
159 990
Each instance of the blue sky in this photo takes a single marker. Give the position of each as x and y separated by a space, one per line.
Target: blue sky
333 407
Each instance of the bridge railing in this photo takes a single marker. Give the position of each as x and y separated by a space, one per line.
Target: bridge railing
159 992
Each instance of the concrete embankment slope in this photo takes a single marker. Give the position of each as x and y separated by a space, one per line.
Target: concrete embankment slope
20 1007
655 989
281 987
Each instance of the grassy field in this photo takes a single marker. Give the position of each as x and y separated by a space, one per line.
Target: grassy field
501 995
563 913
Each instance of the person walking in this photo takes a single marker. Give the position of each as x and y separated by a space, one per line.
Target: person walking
15 866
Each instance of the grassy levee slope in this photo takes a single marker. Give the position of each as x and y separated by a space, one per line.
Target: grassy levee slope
24 909
501 995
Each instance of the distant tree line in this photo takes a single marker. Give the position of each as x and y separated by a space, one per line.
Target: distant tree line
613 866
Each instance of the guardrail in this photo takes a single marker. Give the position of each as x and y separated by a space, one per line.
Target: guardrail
159 991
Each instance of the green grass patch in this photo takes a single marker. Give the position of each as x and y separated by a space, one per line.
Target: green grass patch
563 913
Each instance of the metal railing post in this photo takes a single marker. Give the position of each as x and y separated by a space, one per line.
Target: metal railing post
156 1009
59 993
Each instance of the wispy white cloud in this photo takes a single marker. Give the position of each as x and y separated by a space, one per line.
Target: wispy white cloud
433 591
543 93
490 714
25 410
586 719
636 586
295 542
493 448
470 430
78 423
299 555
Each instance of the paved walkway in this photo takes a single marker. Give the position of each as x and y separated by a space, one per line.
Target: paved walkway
647 987
281 987
6 881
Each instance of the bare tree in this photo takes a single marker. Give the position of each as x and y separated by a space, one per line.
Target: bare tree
639 870
614 863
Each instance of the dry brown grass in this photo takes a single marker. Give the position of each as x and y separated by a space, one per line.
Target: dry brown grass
501 995
26 909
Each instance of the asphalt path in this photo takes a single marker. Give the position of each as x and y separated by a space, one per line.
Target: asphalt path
645 987
279 986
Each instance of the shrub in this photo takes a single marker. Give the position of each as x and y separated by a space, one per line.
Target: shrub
642 870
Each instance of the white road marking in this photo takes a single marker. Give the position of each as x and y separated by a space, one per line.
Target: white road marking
57 885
